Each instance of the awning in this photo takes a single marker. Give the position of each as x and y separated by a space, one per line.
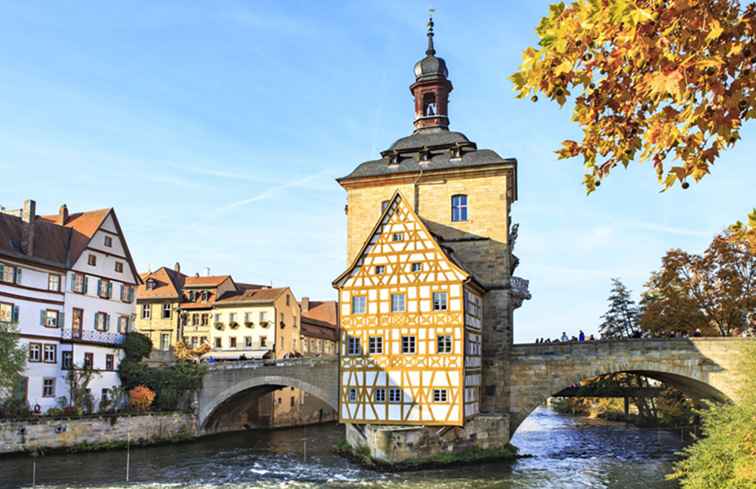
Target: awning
235 354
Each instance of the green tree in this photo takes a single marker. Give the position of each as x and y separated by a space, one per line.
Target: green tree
12 358
726 457
621 320
137 346
666 81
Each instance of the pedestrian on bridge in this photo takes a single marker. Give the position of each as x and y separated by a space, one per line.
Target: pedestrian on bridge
564 338
581 337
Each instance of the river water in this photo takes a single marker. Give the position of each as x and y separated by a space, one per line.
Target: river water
566 452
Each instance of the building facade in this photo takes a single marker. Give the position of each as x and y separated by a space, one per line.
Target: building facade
427 300
158 312
320 327
68 282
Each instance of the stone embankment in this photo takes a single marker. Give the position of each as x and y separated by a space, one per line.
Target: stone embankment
94 432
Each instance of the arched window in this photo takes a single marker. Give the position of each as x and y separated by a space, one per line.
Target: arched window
429 104
459 207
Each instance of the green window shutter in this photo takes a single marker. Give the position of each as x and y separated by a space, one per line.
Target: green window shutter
71 280
110 290
85 282
61 319
99 287
107 322
42 317
14 314
2 271
17 277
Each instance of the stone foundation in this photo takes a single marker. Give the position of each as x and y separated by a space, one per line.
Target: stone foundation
402 444
94 432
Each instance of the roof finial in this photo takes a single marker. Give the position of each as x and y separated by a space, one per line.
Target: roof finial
431 50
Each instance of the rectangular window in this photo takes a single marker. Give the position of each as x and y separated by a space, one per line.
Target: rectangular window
203 339
232 342
127 293
380 269
408 344
443 344
459 208
375 345
416 267
262 316
50 318
379 395
358 304
50 353
48 387
194 341
395 395
104 289
218 343
145 311
165 341
353 346
166 311
123 324
102 321
352 395
108 242
92 260
35 352
440 301
119 267
195 319
217 318
89 360
79 283
109 362
440 395
397 302
66 362
77 321
397 237
248 342
205 319
7 313
10 274
53 282
263 341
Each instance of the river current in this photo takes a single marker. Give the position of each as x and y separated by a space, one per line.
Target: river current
564 452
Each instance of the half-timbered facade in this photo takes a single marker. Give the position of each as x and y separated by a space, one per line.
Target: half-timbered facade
405 337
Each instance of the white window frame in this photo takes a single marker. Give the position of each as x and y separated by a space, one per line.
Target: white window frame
394 395
409 344
379 394
396 303
440 301
444 344
440 396
360 300
354 347
375 345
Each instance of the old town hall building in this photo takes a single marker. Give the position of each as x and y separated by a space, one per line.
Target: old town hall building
427 299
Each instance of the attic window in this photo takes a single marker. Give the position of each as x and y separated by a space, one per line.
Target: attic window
455 153
394 158
425 155
108 241
150 284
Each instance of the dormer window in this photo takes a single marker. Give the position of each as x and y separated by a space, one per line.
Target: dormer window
424 155
150 283
394 158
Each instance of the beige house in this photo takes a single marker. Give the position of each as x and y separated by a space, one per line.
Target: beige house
320 326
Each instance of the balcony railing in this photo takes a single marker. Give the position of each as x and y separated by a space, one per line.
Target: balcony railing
103 337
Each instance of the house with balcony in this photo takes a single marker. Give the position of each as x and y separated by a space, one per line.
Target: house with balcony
68 281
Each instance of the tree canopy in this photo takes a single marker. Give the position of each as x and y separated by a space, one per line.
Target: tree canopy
665 81
12 358
621 320
715 291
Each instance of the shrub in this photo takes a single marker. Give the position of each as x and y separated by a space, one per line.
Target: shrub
137 346
141 397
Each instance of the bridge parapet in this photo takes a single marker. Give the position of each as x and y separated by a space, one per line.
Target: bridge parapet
284 362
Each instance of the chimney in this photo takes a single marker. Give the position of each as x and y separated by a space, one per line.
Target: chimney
62 215
177 267
28 215
305 304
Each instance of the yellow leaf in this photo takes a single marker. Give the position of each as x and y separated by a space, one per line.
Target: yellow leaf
715 30
563 67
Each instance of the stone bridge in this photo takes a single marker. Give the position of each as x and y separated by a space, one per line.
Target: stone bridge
227 382
699 367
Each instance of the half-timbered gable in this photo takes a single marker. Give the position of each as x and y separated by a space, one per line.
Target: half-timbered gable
403 327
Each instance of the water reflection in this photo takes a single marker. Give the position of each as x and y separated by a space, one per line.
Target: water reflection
565 453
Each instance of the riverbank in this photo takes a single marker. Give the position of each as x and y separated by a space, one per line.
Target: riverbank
91 433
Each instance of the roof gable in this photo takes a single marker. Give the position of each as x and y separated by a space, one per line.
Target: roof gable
396 256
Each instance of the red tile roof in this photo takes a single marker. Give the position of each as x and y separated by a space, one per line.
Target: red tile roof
168 284
206 281
268 294
325 311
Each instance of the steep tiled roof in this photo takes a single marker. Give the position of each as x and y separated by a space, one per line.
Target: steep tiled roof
50 242
323 311
83 225
252 295
206 281
168 284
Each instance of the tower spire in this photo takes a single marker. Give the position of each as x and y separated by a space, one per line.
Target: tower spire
431 50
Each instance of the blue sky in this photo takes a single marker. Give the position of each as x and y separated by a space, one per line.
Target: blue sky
216 130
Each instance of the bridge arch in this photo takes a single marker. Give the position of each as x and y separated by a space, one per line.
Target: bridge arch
699 368
226 385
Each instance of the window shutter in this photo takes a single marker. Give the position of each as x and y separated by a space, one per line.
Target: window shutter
42 317
131 294
85 281
17 277
61 319
2 271
110 290
14 314
107 321
99 287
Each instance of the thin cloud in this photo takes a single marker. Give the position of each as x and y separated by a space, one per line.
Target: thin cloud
271 192
672 230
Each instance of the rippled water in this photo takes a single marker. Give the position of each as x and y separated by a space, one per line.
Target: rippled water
566 453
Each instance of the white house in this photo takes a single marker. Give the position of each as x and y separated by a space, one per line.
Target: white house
68 281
